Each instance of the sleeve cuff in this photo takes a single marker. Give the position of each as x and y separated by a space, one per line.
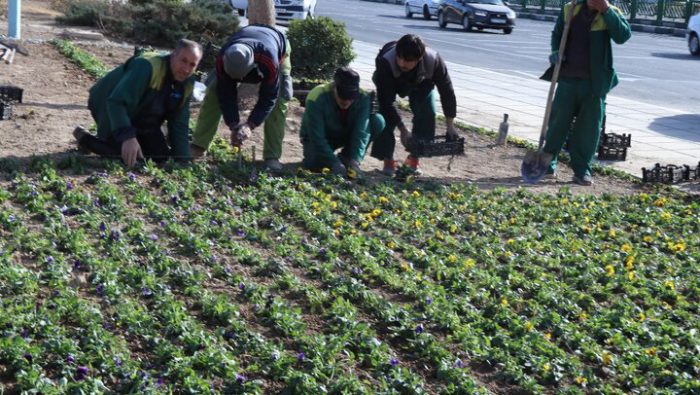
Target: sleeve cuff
125 133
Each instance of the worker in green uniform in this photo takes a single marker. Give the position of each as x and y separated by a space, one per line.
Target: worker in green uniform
131 103
337 116
586 76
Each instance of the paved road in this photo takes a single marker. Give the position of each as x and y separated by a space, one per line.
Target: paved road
654 69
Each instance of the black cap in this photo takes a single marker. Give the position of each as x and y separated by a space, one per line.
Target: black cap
347 83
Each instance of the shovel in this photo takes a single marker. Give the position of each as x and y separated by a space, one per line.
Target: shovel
535 164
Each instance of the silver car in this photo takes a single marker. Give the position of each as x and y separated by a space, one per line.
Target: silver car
426 8
693 35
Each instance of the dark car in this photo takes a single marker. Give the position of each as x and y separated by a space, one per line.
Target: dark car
480 14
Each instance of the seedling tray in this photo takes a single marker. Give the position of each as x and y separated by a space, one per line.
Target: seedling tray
5 110
615 153
439 146
616 140
9 93
669 174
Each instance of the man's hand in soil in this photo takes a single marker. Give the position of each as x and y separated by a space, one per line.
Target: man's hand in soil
599 5
131 152
339 169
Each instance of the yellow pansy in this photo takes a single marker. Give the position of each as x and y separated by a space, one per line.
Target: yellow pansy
610 270
607 358
660 202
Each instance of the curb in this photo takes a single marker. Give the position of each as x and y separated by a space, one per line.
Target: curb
551 16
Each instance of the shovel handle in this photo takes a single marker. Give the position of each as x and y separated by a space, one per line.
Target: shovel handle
555 74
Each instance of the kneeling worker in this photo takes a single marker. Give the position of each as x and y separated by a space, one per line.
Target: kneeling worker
131 103
337 116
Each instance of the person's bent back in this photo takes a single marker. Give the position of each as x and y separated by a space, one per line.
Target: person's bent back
132 102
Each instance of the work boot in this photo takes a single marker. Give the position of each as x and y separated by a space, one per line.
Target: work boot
585 180
197 152
413 163
389 168
78 133
273 165
551 174
344 160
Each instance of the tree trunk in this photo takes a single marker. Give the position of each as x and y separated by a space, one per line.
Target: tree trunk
261 12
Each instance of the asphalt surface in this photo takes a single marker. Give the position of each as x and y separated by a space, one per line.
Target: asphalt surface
653 69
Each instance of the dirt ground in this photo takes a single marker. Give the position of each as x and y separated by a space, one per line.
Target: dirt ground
55 96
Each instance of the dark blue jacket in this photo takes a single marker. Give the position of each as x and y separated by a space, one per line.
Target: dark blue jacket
269 46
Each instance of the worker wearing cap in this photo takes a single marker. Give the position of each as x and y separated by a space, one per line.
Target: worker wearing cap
255 54
337 116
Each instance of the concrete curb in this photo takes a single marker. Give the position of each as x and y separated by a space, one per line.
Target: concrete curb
551 16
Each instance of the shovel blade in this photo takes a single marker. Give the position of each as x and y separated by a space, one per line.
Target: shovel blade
535 166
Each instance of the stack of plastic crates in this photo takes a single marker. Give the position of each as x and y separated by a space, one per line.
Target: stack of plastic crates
9 95
614 146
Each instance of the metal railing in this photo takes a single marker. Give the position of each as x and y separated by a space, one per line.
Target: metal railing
654 11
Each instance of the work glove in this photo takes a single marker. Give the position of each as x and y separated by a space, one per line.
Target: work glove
452 133
339 169
239 134
554 58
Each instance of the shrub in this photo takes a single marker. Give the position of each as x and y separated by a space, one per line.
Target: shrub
84 13
319 46
154 22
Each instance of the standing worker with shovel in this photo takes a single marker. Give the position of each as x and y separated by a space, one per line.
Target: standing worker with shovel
586 75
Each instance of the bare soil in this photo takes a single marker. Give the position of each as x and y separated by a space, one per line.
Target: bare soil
55 97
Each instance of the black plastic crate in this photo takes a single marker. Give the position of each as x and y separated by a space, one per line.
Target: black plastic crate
439 146
5 110
616 153
669 174
615 140
9 93
694 172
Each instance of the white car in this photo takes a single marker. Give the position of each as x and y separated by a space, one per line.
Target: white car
426 8
693 35
284 9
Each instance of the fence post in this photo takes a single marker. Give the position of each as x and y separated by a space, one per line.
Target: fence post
524 3
542 2
688 10
633 10
659 12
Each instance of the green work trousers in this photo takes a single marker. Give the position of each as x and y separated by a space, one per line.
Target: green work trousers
210 117
311 158
424 111
573 99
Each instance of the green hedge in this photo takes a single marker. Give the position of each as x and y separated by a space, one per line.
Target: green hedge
319 46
